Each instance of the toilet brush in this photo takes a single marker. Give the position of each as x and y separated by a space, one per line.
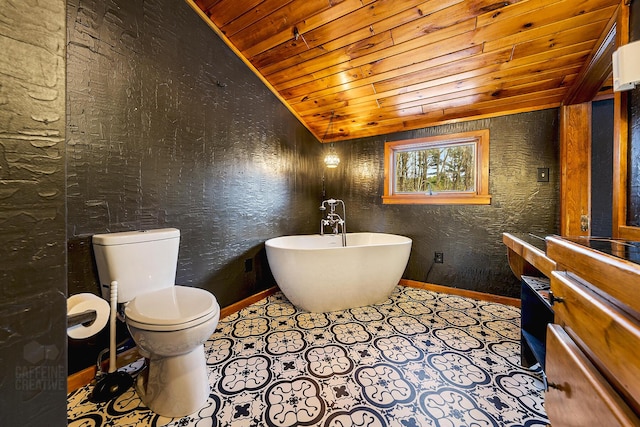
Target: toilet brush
114 383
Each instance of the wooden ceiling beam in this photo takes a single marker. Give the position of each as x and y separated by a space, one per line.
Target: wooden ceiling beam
597 69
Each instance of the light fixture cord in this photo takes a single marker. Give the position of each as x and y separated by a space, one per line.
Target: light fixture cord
328 126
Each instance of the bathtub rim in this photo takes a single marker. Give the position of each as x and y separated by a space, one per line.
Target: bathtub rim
275 242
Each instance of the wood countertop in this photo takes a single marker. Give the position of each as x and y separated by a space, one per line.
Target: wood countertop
527 254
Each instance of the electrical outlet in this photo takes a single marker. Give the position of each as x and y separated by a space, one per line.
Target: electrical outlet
438 258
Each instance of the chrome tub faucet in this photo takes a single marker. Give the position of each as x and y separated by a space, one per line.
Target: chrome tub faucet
337 223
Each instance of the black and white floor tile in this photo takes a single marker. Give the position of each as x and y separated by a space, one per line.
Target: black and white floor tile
418 359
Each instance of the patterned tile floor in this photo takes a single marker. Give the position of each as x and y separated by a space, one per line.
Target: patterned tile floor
418 359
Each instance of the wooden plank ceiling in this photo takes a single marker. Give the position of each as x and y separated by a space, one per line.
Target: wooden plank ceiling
382 66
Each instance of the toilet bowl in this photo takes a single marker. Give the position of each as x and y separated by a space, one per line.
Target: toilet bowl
168 322
170 327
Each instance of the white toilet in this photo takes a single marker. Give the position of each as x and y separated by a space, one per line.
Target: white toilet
169 323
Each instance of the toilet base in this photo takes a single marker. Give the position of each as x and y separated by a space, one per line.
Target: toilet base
175 386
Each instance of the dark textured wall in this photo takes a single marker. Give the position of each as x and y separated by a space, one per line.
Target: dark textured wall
33 363
168 128
602 168
469 236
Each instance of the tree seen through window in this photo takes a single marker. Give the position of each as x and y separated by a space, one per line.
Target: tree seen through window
436 169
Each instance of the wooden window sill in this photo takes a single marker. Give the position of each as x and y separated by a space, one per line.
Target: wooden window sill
437 199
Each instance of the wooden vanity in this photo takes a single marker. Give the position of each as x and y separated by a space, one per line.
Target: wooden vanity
526 253
593 347
592 361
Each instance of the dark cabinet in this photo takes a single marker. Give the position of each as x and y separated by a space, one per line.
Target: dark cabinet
536 314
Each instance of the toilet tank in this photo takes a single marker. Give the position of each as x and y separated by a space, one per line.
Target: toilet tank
140 261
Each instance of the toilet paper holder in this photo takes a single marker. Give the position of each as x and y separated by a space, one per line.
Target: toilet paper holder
85 318
87 315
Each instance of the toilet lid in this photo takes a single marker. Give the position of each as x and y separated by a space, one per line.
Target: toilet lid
174 305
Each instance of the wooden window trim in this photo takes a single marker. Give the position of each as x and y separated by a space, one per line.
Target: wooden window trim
620 145
480 197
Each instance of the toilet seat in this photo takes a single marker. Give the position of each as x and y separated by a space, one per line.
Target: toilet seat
171 309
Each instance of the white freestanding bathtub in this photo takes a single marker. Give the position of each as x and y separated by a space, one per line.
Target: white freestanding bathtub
317 274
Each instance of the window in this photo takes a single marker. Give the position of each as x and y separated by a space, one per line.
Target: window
445 169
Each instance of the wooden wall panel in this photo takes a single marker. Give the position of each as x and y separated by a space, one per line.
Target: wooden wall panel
621 139
575 159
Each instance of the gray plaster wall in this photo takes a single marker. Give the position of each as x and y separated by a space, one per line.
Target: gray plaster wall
33 277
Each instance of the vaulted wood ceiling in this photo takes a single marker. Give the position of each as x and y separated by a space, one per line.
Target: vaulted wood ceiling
382 66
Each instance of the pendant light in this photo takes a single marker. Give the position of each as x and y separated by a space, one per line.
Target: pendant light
331 160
